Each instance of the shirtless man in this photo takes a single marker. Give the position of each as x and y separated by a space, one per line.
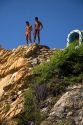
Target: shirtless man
38 26
28 32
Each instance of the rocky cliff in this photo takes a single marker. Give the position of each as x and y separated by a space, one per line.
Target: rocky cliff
16 76
15 66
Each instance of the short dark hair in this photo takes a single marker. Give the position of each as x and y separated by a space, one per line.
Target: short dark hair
36 18
27 22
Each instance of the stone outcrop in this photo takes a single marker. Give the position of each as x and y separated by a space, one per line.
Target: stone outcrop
69 106
15 65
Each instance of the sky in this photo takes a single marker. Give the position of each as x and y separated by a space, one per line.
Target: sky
59 17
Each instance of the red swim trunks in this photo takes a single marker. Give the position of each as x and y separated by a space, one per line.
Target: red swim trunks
28 35
36 32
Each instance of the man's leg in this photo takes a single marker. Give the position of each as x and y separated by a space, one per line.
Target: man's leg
30 38
27 39
38 37
35 33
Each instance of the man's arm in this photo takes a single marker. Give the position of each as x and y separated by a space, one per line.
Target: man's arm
41 25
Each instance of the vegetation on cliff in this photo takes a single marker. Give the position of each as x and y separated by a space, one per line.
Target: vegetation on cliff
52 78
34 82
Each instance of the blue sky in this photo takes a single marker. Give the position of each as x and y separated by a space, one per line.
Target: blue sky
59 17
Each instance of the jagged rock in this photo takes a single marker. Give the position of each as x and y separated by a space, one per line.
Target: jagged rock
70 104
15 66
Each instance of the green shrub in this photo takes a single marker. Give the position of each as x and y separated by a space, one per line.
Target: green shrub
74 79
66 65
64 69
70 61
31 111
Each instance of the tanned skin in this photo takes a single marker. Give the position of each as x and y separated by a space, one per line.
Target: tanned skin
28 32
38 27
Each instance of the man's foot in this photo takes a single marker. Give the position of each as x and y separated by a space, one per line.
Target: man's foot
39 43
27 42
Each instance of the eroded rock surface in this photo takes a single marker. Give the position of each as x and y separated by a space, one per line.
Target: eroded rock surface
69 106
15 66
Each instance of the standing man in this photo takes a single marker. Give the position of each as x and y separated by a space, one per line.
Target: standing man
28 32
38 26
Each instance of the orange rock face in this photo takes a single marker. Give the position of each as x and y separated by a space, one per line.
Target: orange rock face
15 66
